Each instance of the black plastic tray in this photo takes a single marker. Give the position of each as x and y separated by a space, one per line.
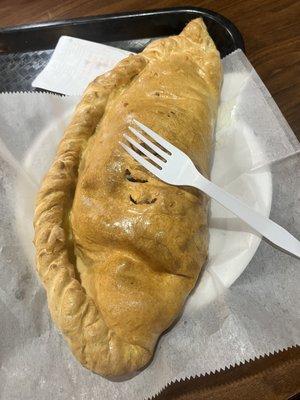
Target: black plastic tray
25 49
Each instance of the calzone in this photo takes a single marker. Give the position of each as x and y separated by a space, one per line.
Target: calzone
118 250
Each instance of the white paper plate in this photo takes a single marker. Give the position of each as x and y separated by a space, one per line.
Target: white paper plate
232 243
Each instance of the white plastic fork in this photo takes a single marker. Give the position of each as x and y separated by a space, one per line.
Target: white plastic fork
173 166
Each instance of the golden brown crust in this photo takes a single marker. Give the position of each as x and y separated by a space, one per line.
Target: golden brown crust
119 257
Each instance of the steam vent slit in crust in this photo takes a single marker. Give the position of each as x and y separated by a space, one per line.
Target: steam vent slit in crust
118 250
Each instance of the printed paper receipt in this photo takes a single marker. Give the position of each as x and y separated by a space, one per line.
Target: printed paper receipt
75 63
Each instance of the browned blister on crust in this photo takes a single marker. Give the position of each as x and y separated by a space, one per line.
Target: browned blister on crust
117 250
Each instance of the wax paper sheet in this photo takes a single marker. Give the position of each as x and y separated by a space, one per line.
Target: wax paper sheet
255 315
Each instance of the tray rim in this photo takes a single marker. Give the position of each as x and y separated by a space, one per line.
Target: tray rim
232 29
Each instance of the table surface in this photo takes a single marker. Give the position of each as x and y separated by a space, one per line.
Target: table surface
271 31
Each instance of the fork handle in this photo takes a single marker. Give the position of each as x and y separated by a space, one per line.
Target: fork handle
266 227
